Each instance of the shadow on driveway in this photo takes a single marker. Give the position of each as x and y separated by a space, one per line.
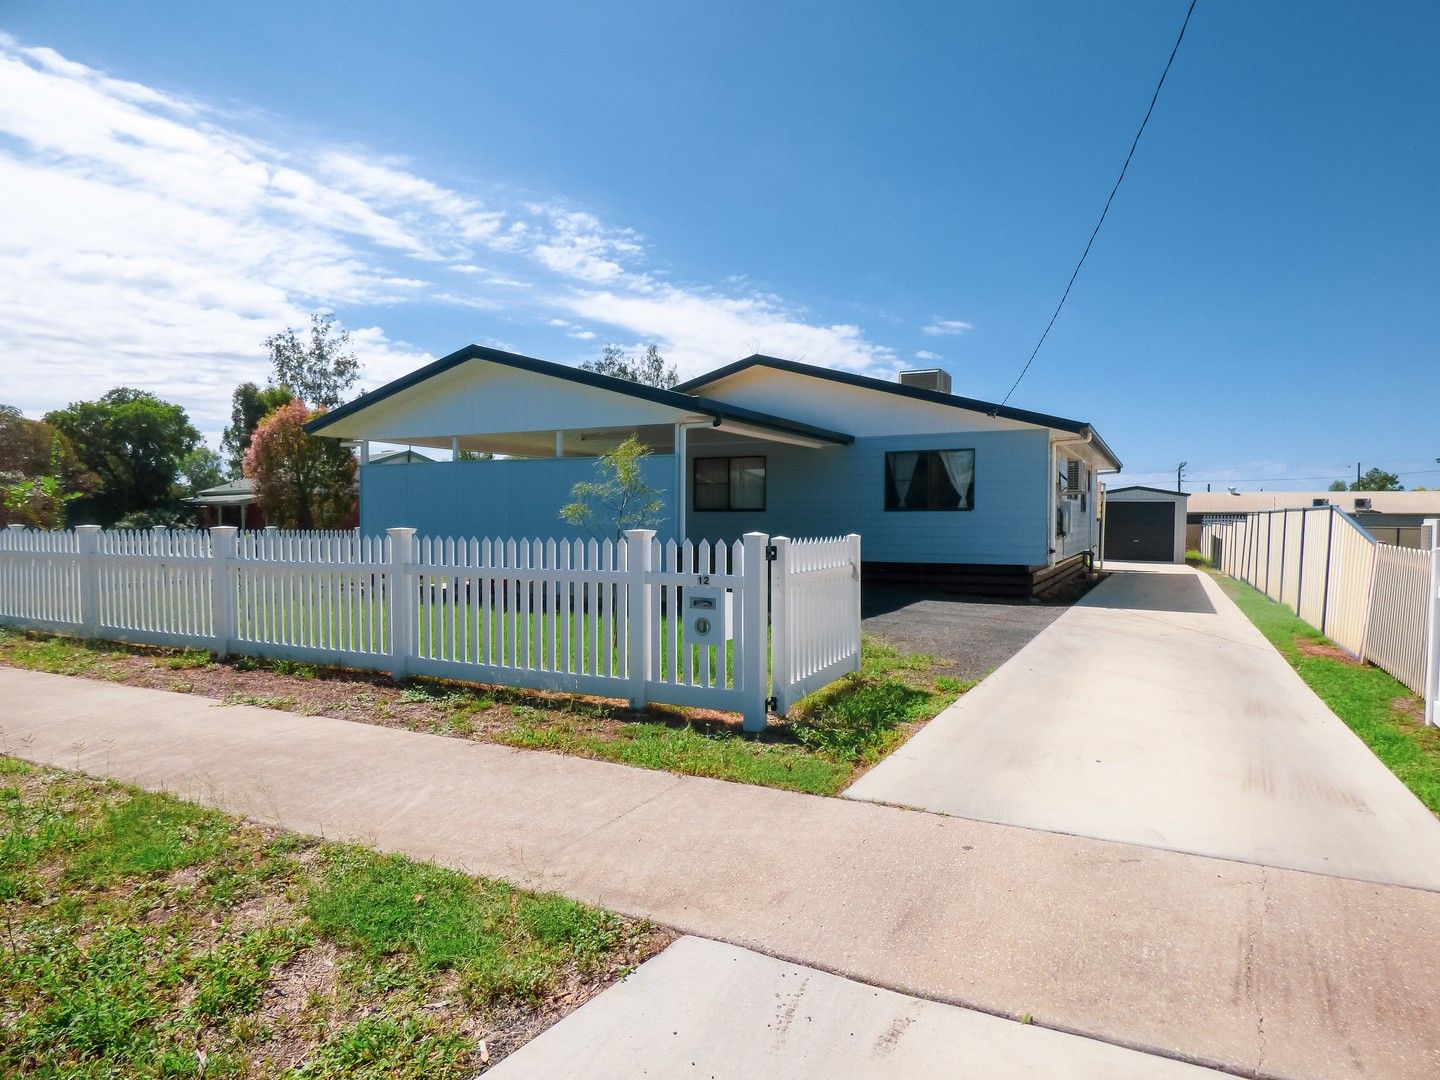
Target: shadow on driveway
1182 593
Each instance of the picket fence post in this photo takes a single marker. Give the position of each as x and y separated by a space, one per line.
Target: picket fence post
87 547
224 548
403 602
639 547
1432 636
781 666
754 639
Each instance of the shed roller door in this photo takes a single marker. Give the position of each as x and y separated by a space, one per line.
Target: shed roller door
1142 531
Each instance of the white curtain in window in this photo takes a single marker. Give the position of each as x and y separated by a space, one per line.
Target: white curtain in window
902 470
960 467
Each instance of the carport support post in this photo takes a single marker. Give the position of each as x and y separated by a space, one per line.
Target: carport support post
639 547
754 639
1432 637
401 600
224 540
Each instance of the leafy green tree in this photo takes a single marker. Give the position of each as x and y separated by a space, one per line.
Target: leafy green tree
620 498
319 370
134 442
1377 480
648 368
1337 485
301 481
248 406
39 472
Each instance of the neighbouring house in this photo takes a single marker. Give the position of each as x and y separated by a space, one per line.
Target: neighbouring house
1144 524
943 489
1392 517
230 503
233 502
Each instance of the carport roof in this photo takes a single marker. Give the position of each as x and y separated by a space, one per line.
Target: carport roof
681 402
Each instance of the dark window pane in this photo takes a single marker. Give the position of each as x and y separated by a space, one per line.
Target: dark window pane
711 489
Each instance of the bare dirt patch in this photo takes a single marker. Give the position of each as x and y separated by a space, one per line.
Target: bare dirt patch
1326 652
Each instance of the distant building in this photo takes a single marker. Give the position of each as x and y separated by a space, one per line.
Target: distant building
1392 517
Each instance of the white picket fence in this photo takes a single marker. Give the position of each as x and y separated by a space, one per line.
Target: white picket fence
614 619
1379 602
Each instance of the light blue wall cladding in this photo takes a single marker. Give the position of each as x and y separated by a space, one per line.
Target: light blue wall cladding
841 489
487 498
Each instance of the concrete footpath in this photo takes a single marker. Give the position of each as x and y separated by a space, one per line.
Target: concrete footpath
705 1009
1266 972
1154 712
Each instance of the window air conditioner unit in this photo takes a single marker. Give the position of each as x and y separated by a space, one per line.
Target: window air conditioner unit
1072 476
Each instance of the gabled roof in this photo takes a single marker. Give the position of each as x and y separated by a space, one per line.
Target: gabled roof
935 397
683 402
1152 490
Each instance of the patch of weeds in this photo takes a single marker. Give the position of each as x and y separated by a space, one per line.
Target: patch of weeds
420 693
1194 557
262 701
859 716
294 668
145 835
383 1047
506 945
186 660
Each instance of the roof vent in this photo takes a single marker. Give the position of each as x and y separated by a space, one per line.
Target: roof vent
936 379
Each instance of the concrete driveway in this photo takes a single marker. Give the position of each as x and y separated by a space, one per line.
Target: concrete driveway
1153 712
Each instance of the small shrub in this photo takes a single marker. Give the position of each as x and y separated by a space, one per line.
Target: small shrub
1196 558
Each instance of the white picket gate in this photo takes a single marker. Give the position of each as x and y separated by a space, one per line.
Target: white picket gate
580 616
814 615
1379 602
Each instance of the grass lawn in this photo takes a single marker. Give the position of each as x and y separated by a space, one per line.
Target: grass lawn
829 738
145 936
1377 707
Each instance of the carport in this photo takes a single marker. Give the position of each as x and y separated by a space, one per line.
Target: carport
1144 524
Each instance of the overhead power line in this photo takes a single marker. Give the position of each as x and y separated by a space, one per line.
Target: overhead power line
1106 210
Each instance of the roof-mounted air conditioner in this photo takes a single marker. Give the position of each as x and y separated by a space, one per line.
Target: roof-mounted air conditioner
1362 504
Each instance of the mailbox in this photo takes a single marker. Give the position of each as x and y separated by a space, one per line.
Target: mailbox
707 617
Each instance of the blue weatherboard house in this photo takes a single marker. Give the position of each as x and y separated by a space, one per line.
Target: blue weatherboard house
941 488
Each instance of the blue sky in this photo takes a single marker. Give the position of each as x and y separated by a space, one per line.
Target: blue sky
863 187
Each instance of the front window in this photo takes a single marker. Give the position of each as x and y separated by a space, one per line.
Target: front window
930 480
728 483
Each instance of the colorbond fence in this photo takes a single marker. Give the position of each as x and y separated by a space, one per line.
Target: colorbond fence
1379 602
608 618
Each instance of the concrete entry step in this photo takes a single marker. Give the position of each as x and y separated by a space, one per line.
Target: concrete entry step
705 1009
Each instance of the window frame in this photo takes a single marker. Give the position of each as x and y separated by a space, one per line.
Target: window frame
901 509
729 507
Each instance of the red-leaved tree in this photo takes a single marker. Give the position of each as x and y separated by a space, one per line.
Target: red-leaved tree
301 481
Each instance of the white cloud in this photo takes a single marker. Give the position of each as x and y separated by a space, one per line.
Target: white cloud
944 327
157 243
926 354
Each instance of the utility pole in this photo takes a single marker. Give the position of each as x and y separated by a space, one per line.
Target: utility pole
1179 474
1357 474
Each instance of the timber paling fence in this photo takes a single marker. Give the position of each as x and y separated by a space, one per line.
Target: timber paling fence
1379 602
746 627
